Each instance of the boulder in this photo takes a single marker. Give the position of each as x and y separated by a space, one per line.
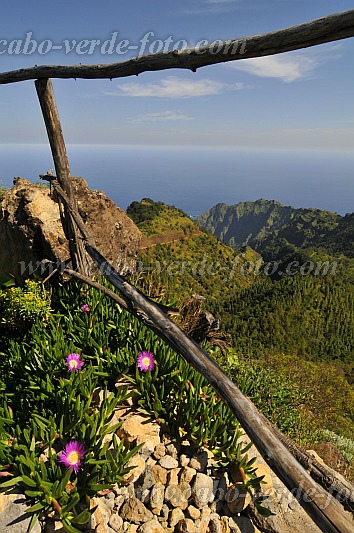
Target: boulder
13 516
31 229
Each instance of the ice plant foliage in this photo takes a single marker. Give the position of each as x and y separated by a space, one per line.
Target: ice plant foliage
146 361
72 455
85 309
74 362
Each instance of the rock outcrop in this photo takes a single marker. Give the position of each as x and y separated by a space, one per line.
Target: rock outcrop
31 230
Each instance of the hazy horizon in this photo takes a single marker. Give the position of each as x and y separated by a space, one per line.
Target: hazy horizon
195 179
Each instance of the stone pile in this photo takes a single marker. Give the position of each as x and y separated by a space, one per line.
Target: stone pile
173 487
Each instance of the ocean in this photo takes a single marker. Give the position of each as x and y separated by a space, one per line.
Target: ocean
196 178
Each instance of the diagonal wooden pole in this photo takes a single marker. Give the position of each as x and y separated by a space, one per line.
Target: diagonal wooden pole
49 108
341 489
323 508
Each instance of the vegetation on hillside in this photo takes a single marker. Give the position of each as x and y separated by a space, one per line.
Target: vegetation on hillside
292 305
157 218
306 315
196 262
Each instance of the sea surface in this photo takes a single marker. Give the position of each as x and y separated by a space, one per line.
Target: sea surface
196 178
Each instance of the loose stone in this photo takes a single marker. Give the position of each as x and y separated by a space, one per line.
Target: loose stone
172 476
157 498
159 452
176 516
168 462
186 526
184 460
135 511
192 512
175 497
115 522
202 490
237 498
199 462
160 474
172 450
187 474
153 526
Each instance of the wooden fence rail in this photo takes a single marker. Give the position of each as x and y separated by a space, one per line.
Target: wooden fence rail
319 31
50 113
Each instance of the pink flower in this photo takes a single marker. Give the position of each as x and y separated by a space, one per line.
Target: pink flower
74 362
146 361
85 309
72 455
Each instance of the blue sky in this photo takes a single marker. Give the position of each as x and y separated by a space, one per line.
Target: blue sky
299 100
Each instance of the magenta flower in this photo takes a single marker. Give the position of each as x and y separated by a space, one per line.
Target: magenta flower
146 361
72 455
85 309
74 362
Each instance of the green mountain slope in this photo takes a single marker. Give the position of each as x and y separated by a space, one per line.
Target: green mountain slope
310 316
294 312
182 258
263 223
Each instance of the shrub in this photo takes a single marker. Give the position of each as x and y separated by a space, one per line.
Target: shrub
21 307
344 445
278 398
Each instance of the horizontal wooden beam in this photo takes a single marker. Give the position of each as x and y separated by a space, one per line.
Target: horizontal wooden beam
323 30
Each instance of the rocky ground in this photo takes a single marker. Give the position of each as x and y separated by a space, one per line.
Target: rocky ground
172 487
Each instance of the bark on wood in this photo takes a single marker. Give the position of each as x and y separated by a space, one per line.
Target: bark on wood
323 30
343 491
49 108
319 504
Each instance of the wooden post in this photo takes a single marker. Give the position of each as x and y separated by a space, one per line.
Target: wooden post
49 108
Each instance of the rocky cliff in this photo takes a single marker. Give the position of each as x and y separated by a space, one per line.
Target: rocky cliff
31 230
262 223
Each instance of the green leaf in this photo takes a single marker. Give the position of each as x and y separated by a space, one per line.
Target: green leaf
263 511
29 481
11 482
98 487
37 507
33 521
33 493
68 527
6 280
65 481
27 461
83 517
75 498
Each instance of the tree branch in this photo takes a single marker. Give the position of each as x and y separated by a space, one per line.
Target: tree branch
323 30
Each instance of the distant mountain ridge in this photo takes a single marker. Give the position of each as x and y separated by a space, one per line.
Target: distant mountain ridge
261 223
